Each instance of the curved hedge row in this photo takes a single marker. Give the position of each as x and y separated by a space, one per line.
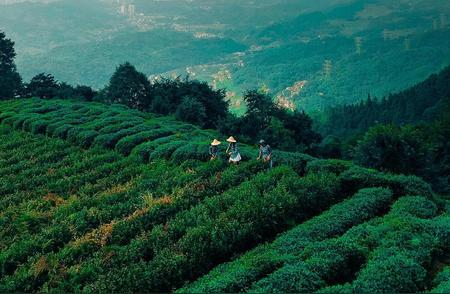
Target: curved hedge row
237 275
442 281
124 130
95 220
252 213
385 255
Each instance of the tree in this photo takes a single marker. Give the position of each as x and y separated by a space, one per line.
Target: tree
192 111
259 106
168 94
10 80
85 92
260 109
43 86
392 148
128 86
65 91
301 126
279 136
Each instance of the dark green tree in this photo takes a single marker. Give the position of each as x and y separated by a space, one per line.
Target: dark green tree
259 106
392 148
260 109
301 126
65 91
43 86
85 93
192 111
10 80
279 136
168 94
128 86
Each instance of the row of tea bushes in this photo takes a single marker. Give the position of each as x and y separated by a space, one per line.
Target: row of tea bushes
124 130
71 231
391 254
40 178
209 233
238 275
442 281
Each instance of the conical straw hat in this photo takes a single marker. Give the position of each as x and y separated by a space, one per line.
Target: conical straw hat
231 140
216 142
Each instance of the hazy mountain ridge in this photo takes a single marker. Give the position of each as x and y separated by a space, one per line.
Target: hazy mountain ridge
268 44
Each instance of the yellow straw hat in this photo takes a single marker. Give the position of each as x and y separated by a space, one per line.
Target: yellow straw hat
231 140
216 142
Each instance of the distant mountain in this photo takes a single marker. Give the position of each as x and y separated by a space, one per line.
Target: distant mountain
343 54
338 51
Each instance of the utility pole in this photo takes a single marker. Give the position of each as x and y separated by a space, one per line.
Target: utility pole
327 68
358 44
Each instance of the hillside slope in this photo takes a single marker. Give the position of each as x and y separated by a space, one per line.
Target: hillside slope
101 198
311 54
421 103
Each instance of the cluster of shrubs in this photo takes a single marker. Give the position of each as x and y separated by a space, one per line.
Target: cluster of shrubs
124 130
31 167
65 235
393 253
96 220
259 262
49 221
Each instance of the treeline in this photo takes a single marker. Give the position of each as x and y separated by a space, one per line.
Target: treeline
420 103
189 100
404 133
197 103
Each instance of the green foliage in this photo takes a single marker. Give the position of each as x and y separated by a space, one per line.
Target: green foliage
357 178
191 110
194 97
417 104
397 272
127 86
43 86
264 259
282 129
126 145
394 149
328 165
191 150
442 281
10 80
417 206
157 214
404 133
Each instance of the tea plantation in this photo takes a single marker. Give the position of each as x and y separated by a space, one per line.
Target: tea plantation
97 198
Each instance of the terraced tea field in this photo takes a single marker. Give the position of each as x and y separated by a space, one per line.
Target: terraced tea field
97 198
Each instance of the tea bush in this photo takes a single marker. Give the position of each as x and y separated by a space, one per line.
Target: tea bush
153 213
238 275
442 281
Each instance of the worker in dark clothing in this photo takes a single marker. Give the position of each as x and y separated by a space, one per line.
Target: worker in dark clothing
265 153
